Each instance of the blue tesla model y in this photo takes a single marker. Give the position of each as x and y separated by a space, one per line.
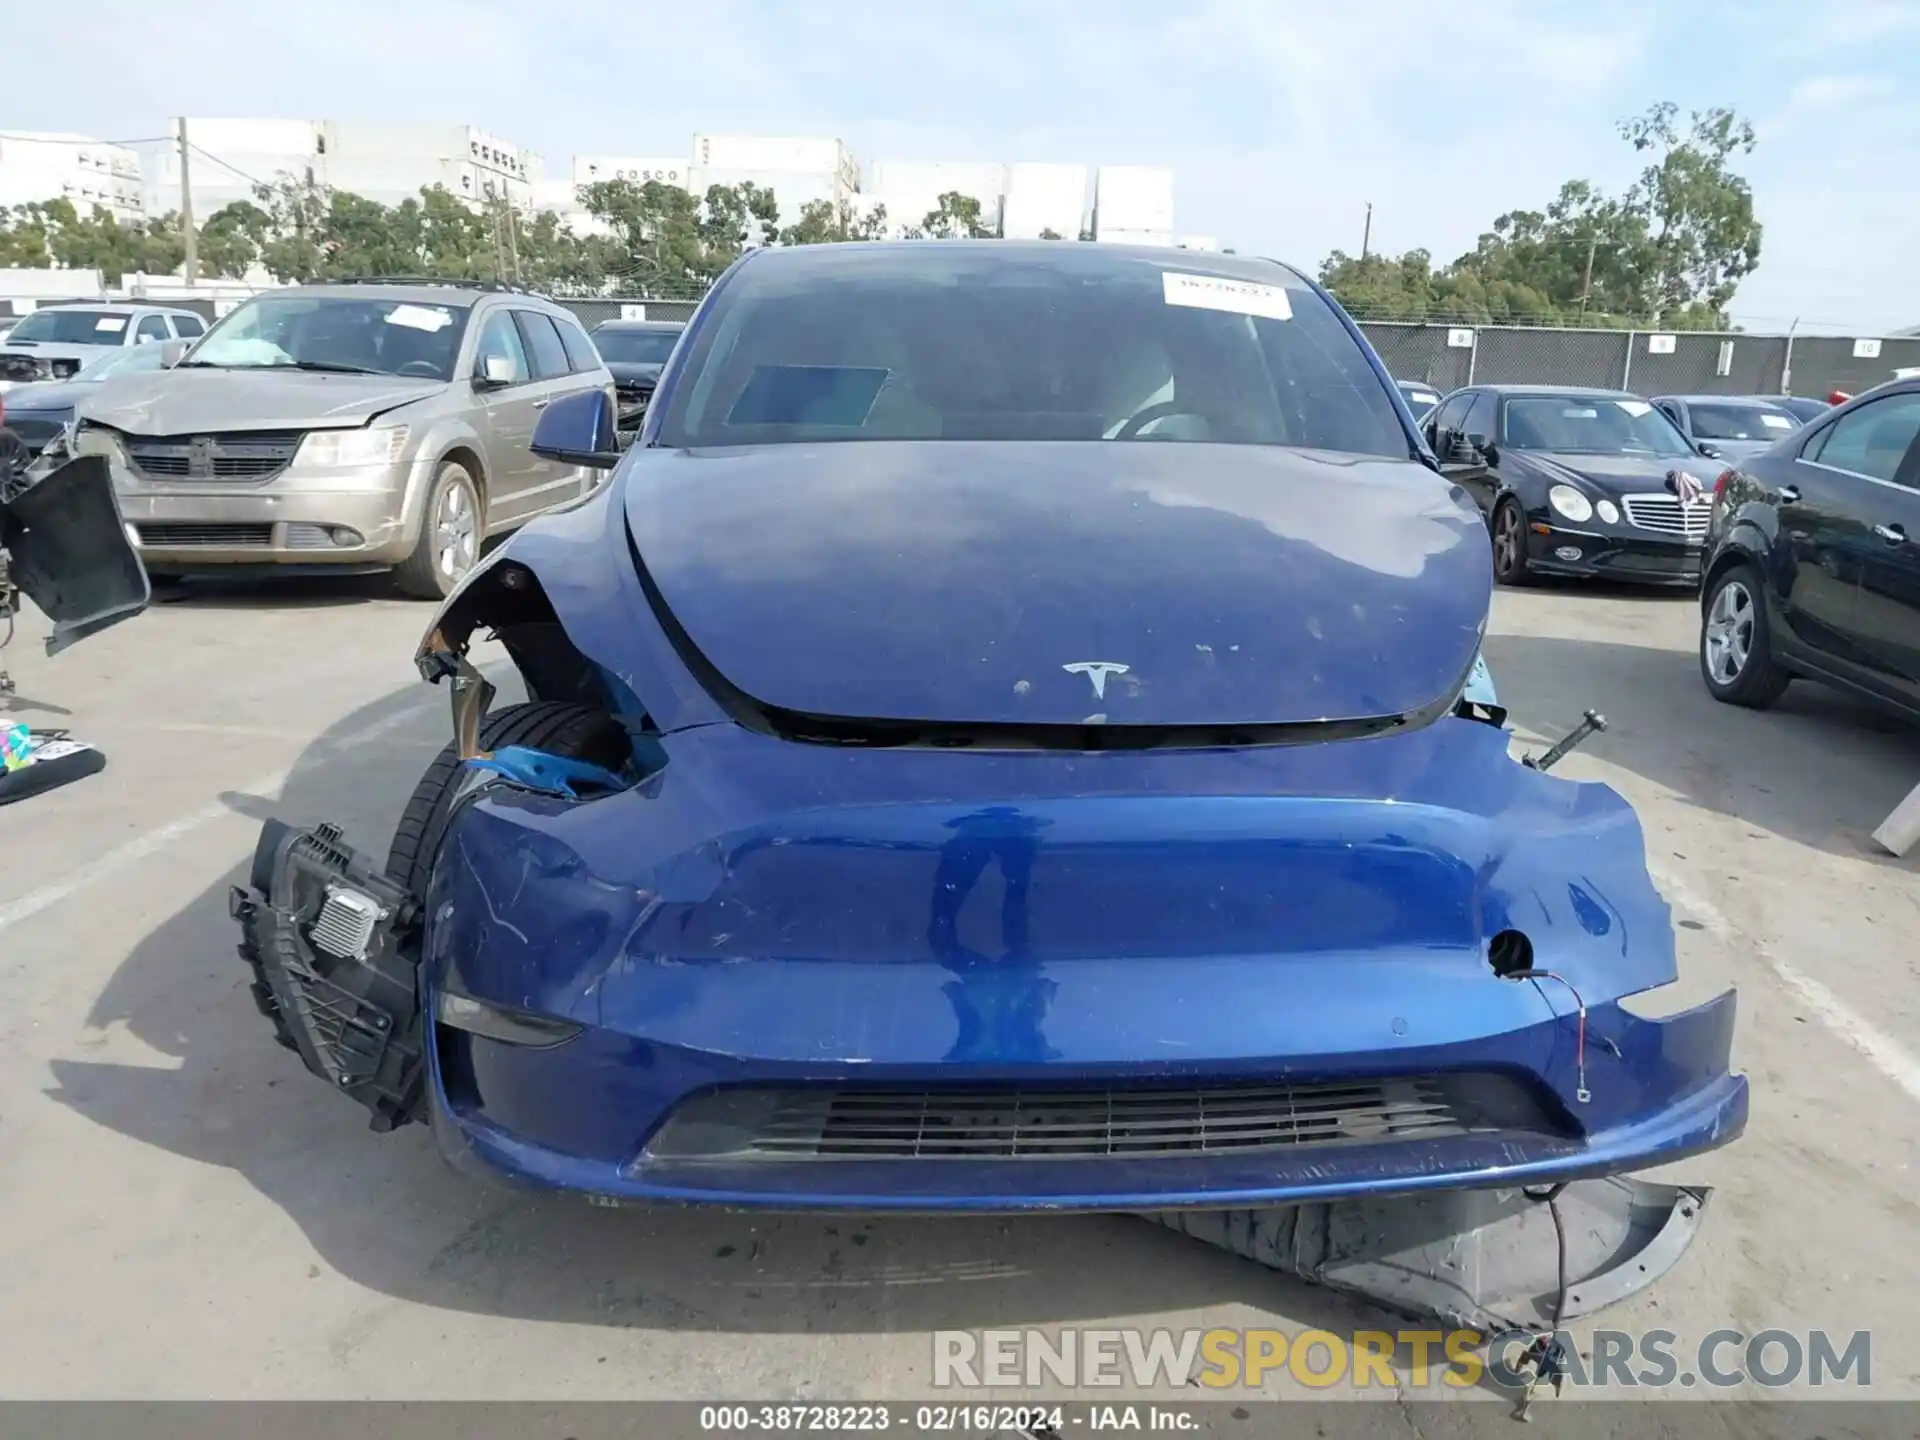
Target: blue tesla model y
1009 734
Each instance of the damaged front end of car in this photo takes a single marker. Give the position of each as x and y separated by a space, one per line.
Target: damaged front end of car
1389 1013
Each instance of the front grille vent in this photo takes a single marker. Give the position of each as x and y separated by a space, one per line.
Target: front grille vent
239 455
1665 515
187 534
977 1123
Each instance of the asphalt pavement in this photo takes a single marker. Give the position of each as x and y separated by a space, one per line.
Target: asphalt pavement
184 1213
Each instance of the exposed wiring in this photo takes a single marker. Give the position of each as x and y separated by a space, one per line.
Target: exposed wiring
1548 1352
1580 1093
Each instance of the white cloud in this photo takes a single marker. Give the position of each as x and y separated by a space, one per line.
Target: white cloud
1830 92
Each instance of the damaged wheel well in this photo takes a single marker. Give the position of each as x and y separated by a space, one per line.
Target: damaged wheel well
508 600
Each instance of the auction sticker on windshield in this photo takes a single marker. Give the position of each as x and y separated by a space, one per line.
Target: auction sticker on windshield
1777 422
419 317
112 324
1238 297
1635 408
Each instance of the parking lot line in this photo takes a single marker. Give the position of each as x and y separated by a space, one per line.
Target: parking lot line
1880 1050
153 841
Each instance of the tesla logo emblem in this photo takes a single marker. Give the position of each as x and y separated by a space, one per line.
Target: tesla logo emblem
1097 671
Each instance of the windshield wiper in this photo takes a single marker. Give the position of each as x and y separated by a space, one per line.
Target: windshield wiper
326 367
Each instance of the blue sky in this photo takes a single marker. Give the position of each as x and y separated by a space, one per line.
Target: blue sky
1282 118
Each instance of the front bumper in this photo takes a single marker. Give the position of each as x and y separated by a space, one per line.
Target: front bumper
334 517
1598 551
947 923
578 1117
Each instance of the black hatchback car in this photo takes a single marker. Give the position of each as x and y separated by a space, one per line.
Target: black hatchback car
1582 482
1814 561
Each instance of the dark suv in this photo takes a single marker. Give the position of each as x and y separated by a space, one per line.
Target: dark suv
1813 562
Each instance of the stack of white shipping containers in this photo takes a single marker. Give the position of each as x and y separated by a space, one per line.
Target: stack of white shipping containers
797 169
911 189
1045 198
1133 205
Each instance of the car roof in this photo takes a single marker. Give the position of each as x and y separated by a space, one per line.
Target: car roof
821 258
1773 400
641 327
453 296
1553 392
118 307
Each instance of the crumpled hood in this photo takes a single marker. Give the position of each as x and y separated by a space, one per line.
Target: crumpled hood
1063 583
189 401
1615 475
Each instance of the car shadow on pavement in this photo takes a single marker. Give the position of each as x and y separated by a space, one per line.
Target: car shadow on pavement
1818 768
274 592
386 1213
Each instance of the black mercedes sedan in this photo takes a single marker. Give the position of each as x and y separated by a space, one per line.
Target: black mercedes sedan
635 351
1572 481
1813 562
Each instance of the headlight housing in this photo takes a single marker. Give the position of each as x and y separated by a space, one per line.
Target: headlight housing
1570 502
1608 512
91 439
380 445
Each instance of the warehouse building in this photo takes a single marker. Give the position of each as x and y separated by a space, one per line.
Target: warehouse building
383 162
37 166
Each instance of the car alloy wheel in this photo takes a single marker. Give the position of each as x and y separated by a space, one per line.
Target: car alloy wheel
1509 544
1728 636
456 530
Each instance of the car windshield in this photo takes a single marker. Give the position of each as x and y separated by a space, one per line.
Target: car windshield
970 341
635 347
122 362
73 327
1591 425
332 332
1740 422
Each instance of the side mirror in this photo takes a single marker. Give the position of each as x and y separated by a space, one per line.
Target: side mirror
493 372
1707 451
172 352
579 430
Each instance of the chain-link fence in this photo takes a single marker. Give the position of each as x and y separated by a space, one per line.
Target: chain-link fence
592 312
1646 362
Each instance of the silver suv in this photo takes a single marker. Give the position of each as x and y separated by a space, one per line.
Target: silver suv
354 426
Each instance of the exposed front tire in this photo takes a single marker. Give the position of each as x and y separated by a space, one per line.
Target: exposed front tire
452 525
579 732
1510 544
1736 645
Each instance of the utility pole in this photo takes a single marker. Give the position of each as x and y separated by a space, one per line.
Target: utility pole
191 267
1366 235
1586 285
